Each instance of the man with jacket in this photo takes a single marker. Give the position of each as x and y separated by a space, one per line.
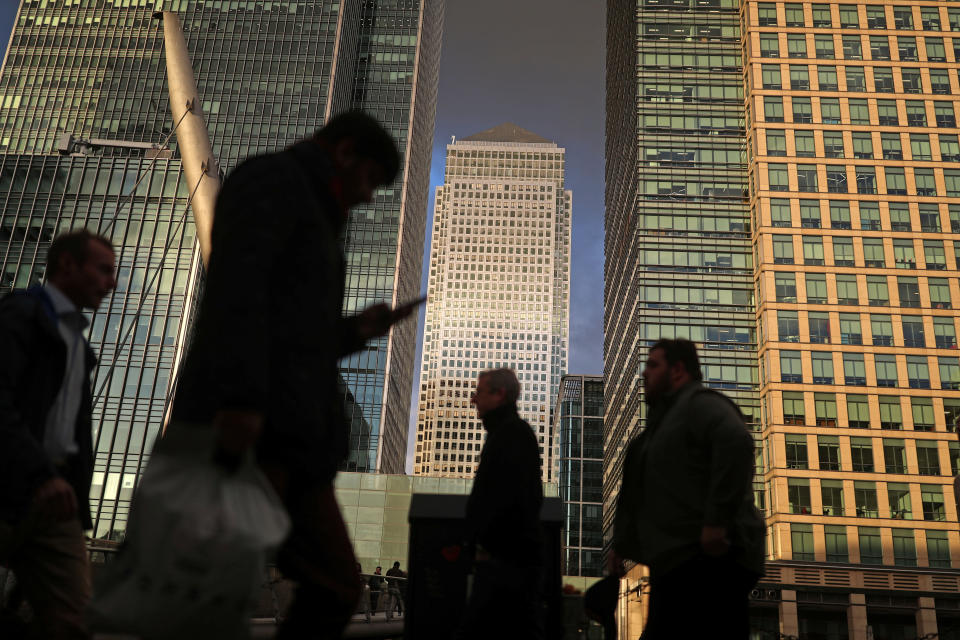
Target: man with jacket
686 506
46 458
263 365
503 518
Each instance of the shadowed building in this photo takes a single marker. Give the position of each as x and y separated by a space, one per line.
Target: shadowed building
268 74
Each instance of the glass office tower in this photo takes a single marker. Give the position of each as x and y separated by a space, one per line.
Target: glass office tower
578 427
268 74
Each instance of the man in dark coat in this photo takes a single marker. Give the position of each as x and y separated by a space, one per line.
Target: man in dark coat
263 364
686 503
503 519
46 458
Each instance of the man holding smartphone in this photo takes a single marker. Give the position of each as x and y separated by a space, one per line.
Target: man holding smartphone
269 333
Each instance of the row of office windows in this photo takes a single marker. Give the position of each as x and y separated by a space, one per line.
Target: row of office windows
843 288
865 503
821 327
901 552
862 179
856 16
924 217
857 79
833 453
859 111
888 370
852 47
862 145
848 251
890 412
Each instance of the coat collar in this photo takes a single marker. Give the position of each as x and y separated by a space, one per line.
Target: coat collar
496 417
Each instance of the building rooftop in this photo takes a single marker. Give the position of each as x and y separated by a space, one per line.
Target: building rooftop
507 132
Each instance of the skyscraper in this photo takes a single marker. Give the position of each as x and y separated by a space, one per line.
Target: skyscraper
498 292
854 206
268 74
578 427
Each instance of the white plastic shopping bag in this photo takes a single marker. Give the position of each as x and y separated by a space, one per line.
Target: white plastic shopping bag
196 546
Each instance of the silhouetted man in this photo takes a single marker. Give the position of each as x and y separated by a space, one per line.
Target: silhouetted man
395 587
46 459
686 505
503 519
269 333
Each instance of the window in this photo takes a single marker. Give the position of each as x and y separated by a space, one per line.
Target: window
852 49
920 146
935 50
780 213
770 76
878 294
934 255
928 458
939 82
922 410
777 145
931 499
951 180
819 322
836 174
944 114
866 179
953 15
870 550
903 18
799 77
859 111
854 369
873 255
831 496
953 211
858 411
949 373
886 367
793 14
876 19
909 290
767 14
796 451
926 184
785 286
807 178
912 82
916 113
870 216
907 48
793 410
801 540
943 334
904 548
772 109
938 549
847 289
823 44
821 16
816 288
949 148
796 45
802 110
828 453
788 326
790 369
939 293
930 18
843 252
856 80
865 497
782 249
887 113
929 217
822 367
900 217
879 48
830 114
903 254
836 543
890 146
861 453
812 250
810 214
803 144
883 80
827 78
850 332
777 174
951 419
848 16
769 45
833 148
913 331
891 416
898 496
894 456
881 327
825 405
798 490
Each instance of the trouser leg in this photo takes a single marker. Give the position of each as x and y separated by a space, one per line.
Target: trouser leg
506 602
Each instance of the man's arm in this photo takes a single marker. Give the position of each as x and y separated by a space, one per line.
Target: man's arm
370 323
731 463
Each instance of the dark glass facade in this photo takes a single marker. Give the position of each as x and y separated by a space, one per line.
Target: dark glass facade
578 421
268 74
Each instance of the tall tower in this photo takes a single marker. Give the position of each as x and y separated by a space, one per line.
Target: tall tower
499 292
268 74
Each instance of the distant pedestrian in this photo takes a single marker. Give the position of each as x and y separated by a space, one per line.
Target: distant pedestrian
269 333
46 459
376 587
395 587
503 519
686 503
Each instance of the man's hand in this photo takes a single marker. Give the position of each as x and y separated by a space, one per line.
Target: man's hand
615 564
237 431
376 321
713 540
55 498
